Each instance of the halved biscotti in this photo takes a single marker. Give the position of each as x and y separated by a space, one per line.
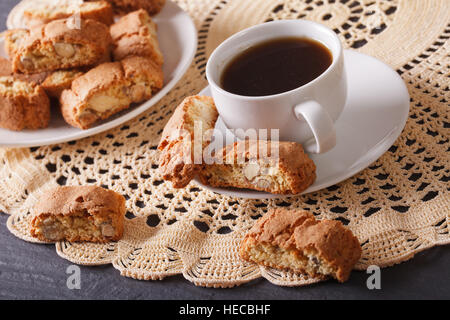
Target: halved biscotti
135 35
270 166
23 105
294 240
79 213
180 145
53 82
58 81
42 12
6 71
126 6
108 89
14 39
57 45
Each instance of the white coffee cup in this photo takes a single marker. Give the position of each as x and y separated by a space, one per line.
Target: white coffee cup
305 114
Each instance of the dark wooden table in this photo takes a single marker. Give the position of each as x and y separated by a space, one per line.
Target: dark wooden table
31 271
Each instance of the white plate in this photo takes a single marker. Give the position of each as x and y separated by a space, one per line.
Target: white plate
178 40
374 116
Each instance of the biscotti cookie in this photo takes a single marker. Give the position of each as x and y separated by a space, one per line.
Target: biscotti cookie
5 68
275 167
52 82
14 39
79 213
23 105
108 89
42 12
126 6
178 150
294 240
135 35
58 81
57 45
6 71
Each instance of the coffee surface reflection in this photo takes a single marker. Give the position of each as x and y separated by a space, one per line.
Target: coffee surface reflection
275 66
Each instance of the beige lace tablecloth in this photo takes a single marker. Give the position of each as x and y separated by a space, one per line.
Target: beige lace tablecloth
397 207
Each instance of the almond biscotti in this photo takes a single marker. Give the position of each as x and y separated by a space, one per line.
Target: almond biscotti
57 45
135 35
53 82
42 12
294 240
108 89
58 81
6 70
275 167
180 145
126 6
14 39
79 213
23 105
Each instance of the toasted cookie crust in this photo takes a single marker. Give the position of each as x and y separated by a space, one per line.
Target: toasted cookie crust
135 35
126 6
23 105
58 81
295 240
14 39
53 82
57 45
101 11
108 89
79 213
5 67
275 167
177 159
6 71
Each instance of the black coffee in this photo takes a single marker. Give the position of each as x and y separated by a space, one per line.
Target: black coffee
276 66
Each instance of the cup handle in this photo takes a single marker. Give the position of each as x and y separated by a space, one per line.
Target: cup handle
321 125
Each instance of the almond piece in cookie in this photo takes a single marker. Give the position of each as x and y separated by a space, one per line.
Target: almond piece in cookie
57 45
45 11
79 213
108 89
135 35
294 240
23 105
275 167
14 39
178 150
126 6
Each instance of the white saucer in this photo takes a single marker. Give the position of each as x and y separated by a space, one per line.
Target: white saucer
374 116
178 41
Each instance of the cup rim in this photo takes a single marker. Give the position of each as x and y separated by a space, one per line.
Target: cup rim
223 45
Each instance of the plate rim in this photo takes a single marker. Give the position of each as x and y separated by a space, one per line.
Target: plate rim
132 113
388 142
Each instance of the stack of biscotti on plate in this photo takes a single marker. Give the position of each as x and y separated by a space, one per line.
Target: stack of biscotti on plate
91 67
134 75
279 167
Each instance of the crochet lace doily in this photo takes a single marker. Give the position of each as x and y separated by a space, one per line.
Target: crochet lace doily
397 207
